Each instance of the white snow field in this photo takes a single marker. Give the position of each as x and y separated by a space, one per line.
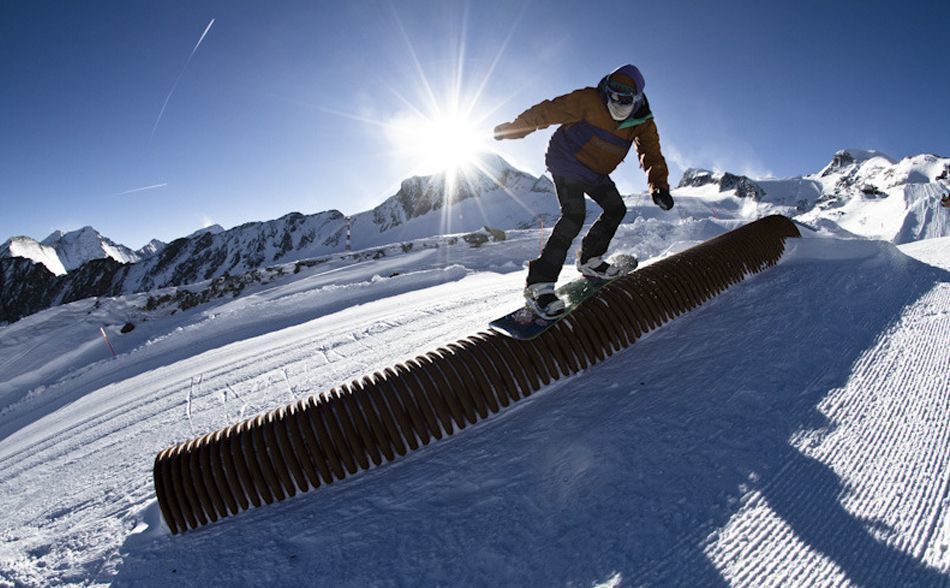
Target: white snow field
793 431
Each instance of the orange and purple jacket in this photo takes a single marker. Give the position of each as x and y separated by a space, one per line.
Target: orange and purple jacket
590 144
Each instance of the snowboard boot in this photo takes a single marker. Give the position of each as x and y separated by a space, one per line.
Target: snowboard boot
595 267
542 301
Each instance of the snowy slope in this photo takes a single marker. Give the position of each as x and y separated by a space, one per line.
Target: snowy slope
792 431
872 195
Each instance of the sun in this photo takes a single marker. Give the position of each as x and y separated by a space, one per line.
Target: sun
448 146
438 143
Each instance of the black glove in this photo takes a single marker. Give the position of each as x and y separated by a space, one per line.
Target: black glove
663 199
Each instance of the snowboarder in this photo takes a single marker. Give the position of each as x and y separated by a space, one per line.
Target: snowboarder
598 127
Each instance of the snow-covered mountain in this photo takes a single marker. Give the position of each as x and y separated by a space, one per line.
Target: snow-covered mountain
213 229
77 247
63 252
741 186
151 248
870 194
491 194
859 192
31 249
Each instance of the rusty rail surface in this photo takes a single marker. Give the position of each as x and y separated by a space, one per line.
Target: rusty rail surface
324 438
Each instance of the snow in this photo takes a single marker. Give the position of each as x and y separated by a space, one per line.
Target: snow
793 430
859 193
77 247
30 249
862 155
932 251
213 229
874 196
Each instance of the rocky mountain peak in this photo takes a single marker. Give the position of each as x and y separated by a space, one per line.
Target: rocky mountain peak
34 251
846 159
74 248
153 247
420 195
214 229
696 177
743 186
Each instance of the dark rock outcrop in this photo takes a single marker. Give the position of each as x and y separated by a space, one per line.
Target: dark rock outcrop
25 288
744 187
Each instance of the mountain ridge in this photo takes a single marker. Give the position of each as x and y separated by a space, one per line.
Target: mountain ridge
494 194
859 193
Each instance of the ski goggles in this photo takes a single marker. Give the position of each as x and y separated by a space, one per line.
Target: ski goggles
622 93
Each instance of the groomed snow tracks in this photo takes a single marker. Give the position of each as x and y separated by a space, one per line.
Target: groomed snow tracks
324 438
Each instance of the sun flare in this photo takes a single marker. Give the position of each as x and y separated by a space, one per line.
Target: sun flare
437 121
445 143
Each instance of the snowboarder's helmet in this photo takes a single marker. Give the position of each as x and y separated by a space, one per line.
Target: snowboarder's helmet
624 91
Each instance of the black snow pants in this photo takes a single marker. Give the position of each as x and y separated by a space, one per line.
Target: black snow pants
570 194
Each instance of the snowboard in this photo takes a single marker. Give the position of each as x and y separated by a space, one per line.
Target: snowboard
524 324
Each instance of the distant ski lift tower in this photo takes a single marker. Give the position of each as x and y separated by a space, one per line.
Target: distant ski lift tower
349 239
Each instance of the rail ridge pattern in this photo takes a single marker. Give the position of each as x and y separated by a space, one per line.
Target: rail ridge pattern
324 438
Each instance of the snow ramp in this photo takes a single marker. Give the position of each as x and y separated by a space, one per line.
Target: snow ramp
326 437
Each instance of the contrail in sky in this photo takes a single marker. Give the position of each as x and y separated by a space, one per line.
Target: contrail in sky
141 189
178 79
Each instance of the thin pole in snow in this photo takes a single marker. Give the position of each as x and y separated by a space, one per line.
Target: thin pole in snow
106 339
349 243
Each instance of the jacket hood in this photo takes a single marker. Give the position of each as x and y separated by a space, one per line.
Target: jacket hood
625 74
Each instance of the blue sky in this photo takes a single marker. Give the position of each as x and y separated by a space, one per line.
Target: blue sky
283 106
